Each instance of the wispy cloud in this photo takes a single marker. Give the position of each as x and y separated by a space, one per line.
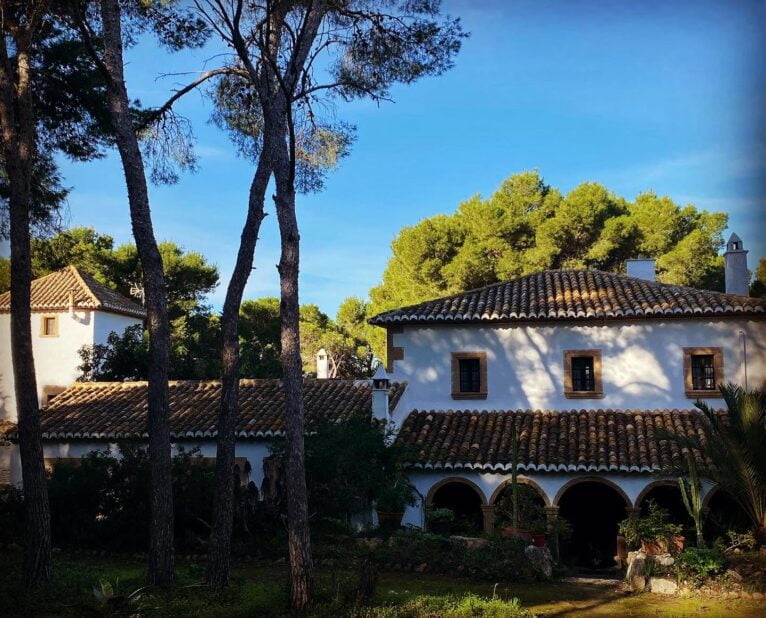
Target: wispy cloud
717 165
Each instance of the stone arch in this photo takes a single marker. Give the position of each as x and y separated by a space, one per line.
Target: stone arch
593 479
722 512
654 484
522 480
453 479
709 496
594 507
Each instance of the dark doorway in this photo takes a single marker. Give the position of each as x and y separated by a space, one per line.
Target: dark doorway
464 502
594 511
724 514
668 497
531 508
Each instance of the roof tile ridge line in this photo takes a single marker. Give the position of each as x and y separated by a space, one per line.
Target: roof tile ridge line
570 270
677 286
50 274
456 294
106 383
75 271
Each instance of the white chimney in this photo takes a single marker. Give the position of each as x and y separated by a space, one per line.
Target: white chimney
735 265
71 303
323 364
380 386
642 268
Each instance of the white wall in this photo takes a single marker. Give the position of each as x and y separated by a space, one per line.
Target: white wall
254 451
642 362
106 323
56 358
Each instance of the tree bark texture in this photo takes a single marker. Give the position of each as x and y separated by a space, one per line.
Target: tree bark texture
299 539
223 505
18 128
161 546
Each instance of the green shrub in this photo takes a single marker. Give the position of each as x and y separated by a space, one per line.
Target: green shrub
440 521
11 515
502 559
695 565
467 606
103 502
410 547
655 527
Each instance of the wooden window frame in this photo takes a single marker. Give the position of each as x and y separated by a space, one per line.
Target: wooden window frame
717 354
456 358
43 319
569 392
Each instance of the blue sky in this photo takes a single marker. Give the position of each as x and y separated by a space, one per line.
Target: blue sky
635 95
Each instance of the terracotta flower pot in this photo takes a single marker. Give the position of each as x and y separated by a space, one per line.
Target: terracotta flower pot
663 546
508 531
388 519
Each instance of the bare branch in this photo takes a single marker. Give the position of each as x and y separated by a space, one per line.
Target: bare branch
165 107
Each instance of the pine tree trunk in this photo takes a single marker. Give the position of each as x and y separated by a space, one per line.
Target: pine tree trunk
223 505
161 549
299 539
18 128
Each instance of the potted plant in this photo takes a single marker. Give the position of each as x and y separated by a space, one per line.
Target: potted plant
440 521
392 500
654 532
538 528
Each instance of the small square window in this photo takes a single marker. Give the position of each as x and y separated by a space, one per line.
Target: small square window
582 374
583 378
703 372
49 326
469 375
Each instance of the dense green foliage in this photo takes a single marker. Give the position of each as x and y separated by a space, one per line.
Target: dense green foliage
500 559
348 467
467 606
527 226
733 443
260 590
70 118
758 288
11 514
654 527
196 345
696 564
350 356
188 275
103 502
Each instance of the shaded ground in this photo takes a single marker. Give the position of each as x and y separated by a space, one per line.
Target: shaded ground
260 591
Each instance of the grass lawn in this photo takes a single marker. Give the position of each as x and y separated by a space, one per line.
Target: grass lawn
261 591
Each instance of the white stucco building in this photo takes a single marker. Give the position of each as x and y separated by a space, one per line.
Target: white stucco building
70 309
586 367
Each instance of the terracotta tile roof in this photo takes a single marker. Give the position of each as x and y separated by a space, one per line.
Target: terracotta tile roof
52 292
6 428
117 410
550 441
573 295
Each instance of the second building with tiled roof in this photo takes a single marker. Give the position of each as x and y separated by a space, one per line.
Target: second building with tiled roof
588 369
70 309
